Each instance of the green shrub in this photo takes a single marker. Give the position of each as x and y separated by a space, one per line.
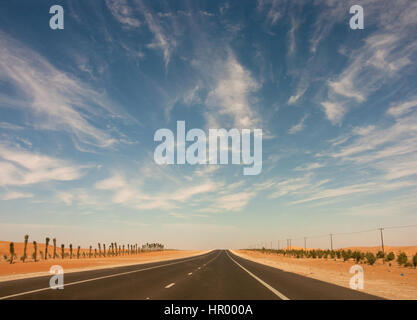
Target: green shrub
402 258
346 255
357 256
390 256
370 257
380 255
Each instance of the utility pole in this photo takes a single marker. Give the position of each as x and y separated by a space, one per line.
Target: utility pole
382 243
331 242
305 245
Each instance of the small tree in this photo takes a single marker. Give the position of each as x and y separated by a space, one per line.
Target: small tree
402 258
78 252
11 249
99 249
390 256
380 255
62 251
104 249
54 241
338 254
89 254
370 257
70 246
46 247
25 248
35 251
415 260
357 256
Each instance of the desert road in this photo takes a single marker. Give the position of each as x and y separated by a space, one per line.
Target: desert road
217 275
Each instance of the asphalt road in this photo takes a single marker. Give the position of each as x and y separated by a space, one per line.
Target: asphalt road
217 275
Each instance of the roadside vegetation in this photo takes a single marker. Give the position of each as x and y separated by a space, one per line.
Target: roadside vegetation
113 250
345 255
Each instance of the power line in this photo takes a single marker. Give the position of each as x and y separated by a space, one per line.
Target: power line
344 233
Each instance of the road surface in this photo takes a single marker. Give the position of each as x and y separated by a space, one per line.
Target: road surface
217 275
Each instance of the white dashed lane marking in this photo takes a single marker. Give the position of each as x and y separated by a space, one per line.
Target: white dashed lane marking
170 285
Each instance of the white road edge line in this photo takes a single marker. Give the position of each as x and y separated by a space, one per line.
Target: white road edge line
275 291
170 285
99 278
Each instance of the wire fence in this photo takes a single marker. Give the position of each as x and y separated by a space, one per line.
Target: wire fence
377 239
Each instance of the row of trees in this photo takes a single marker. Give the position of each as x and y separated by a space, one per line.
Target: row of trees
112 250
345 255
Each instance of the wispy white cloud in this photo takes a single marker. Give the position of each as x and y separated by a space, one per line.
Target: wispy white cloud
402 108
309 166
123 13
382 56
334 111
231 96
360 188
10 126
299 126
273 10
291 36
297 96
131 193
20 167
161 39
235 201
57 101
14 195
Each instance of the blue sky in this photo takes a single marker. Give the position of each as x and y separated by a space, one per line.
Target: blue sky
79 108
